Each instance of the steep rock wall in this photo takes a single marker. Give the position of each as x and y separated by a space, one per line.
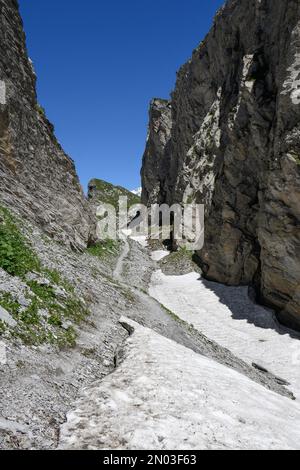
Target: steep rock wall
235 146
37 178
157 152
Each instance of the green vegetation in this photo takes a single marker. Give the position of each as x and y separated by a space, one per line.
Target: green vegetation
9 304
2 327
16 257
129 296
107 193
42 322
104 248
43 292
176 318
51 304
191 199
296 156
41 110
182 261
180 255
171 314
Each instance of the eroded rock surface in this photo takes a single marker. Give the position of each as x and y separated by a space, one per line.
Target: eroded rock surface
156 156
235 146
37 178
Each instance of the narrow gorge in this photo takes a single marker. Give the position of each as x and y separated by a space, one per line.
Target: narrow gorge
131 343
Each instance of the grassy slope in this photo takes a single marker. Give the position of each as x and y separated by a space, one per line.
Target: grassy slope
53 308
101 191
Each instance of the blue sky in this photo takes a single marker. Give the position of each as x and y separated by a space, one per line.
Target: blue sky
99 63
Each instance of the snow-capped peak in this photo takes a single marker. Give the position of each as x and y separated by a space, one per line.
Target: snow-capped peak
137 192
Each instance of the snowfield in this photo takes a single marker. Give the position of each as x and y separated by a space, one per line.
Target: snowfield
159 255
165 396
228 316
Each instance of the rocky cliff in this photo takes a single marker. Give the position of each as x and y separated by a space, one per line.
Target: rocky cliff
155 160
37 178
233 143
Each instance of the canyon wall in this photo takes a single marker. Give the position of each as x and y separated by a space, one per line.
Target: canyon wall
233 143
38 180
156 156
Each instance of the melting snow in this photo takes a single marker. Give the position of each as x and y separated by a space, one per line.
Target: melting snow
227 316
137 192
164 396
142 240
159 255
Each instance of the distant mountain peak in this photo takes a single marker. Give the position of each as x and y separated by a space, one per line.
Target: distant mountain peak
137 192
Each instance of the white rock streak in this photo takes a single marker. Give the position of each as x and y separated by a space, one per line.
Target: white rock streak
164 396
2 92
3 353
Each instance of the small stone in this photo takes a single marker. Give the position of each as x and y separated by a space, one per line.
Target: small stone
7 318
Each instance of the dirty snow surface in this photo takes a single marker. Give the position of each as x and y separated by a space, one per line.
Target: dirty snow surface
140 239
165 396
159 255
228 316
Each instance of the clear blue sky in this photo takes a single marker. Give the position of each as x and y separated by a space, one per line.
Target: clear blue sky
99 63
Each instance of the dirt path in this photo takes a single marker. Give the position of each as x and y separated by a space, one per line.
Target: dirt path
117 274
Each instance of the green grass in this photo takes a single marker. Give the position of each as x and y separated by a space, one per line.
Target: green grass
30 316
16 257
103 248
181 254
295 155
129 296
54 276
9 304
33 328
2 327
44 293
107 193
71 308
172 314
41 110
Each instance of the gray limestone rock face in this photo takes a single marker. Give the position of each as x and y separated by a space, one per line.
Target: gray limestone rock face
156 156
235 146
38 179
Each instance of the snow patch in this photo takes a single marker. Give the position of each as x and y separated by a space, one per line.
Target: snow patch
159 255
164 396
227 316
137 192
142 240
